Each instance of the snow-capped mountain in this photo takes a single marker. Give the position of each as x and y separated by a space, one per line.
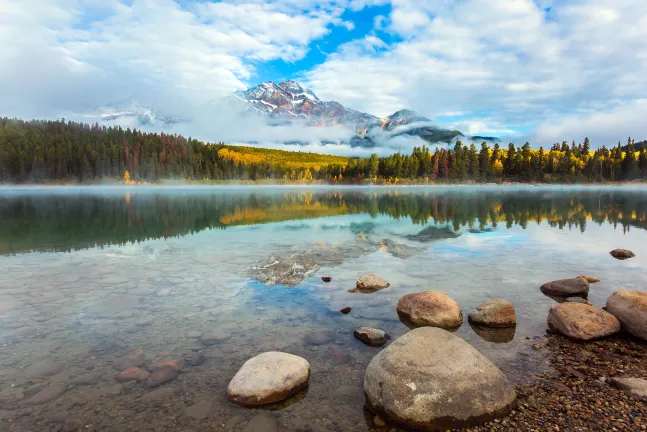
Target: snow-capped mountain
131 108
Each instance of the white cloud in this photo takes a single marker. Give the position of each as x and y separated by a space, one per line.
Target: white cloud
510 59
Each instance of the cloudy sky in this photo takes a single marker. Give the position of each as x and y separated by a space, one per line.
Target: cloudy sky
544 70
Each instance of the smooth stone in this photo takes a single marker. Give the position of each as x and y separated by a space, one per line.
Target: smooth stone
200 410
430 308
161 376
338 356
114 305
494 334
497 313
267 378
589 279
175 364
319 337
371 283
128 361
622 254
582 322
371 336
630 307
262 423
47 395
346 310
214 337
194 359
574 287
429 379
159 394
193 334
132 374
41 369
633 387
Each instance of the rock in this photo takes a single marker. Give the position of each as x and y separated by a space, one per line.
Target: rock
159 394
114 305
267 378
371 336
493 334
132 374
622 254
430 308
41 369
48 394
582 322
194 359
338 356
200 410
429 379
346 310
129 361
161 376
233 422
575 287
589 279
214 337
497 313
633 387
377 420
326 278
630 307
193 334
175 364
262 423
371 283
71 425
319 337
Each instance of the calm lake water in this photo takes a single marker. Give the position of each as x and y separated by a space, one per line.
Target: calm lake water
93 281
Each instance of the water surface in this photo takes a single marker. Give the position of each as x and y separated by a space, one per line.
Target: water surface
96 280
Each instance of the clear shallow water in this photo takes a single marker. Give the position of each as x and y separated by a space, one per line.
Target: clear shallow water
95 280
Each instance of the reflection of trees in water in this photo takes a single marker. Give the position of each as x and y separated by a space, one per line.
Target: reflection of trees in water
66 222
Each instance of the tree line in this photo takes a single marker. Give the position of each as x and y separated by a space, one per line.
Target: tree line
64 151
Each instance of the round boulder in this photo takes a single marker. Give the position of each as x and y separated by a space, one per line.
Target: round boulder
431 380
575 287
498 313
371 283
630 307
371 336
582 322
267 378
622 254
430 308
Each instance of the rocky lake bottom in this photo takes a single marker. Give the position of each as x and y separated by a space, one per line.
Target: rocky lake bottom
75 312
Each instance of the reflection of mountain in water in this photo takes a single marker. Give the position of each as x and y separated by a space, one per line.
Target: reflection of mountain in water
68 221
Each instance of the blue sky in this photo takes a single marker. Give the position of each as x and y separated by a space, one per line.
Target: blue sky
537 70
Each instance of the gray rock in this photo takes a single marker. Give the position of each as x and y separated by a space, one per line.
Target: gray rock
47 395
582 322
200 410
262 423
622 254
267 378
161 376
214 337
233 422
371 283
630 307
319 337
159 394
497 313
633 387
371 336
574 287
429 379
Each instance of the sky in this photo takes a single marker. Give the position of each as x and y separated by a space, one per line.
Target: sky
536 70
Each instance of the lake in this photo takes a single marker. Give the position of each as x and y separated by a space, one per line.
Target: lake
95 280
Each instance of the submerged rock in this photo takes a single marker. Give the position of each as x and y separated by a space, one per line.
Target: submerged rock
575 287
433 233
346 310
132 374
321 337
496 313
47 395
267 378
582 322
161 376
430 379
371 336
622 254
493 334
371 283
630 307
633 387
214 337
430 308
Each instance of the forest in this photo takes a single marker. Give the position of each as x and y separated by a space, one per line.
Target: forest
69 152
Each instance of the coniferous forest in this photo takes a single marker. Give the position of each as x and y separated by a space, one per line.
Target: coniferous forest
68 152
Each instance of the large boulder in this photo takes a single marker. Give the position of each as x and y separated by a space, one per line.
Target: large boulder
430 308
267 378
496 313
582 322
431 380
622 254
630 307
371 336
633 387
575 287
371 283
